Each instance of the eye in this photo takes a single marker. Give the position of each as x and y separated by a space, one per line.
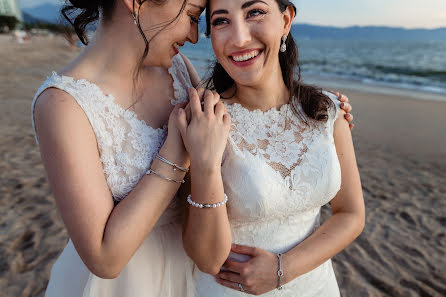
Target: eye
219 21
255 12
194 19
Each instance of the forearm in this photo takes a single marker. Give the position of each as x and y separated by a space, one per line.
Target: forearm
207 235
132 220
331 238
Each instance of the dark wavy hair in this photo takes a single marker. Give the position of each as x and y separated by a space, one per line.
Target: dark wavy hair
81 13
314 103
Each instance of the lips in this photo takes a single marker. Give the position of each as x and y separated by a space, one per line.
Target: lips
246 57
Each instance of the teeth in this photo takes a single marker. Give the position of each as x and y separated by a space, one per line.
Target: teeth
246 57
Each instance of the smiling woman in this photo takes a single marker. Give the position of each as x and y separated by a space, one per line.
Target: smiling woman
117 193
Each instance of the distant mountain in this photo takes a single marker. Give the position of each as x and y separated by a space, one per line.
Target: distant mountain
367 33
46 12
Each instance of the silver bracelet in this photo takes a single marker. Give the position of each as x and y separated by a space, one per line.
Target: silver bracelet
199 205
279 272
174 166
151 171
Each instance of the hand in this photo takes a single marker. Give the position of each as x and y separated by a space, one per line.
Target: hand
257 276
345 105
173 148
206 135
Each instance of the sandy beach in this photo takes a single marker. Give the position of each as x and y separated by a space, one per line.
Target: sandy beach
401 150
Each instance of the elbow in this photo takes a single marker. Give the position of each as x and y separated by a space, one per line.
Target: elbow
210 268
104 269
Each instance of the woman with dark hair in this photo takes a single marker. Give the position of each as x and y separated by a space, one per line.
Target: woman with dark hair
286 153
113 162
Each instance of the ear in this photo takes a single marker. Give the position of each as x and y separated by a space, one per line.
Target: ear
132 5
288 17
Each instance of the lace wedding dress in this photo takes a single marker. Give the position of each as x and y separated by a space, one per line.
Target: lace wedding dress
127 147
278 172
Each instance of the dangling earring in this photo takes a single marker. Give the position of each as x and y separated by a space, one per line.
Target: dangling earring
135 18
283 46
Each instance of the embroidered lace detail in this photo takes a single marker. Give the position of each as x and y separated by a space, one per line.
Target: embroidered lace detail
127 145
181 80
278 172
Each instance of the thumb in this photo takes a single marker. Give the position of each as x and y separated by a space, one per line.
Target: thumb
244 250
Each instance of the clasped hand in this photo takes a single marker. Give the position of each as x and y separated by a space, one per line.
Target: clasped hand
257 276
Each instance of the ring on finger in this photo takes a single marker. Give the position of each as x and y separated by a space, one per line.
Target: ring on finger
241 287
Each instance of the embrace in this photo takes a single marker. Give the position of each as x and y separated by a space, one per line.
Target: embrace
175 186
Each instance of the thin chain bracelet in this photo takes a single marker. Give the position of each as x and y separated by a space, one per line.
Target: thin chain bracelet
174 166
151 171
279 272
199 205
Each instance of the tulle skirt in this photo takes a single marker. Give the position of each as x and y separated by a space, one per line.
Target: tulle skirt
160 267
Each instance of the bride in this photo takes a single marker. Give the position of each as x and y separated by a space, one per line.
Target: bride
261 180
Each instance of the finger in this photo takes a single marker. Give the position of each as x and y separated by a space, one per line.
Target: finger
201 92
348 117
244 250
194 102
230 276
234 266
343 98
209 102
334 93
229 284
352 126
182 122
346 107
220 110
227 119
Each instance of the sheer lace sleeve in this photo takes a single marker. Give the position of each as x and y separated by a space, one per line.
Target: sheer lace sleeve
181 80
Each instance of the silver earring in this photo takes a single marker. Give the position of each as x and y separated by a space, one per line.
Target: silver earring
283 46
135 18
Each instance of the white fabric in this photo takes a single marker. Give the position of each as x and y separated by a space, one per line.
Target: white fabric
278 172
127 147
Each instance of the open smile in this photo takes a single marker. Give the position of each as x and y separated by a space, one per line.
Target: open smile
245 58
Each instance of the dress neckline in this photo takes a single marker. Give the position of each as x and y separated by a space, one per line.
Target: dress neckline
110 97
273 110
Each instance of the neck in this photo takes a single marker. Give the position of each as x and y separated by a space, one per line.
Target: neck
112 55
271 92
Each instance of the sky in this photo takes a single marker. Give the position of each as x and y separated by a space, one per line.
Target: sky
343 13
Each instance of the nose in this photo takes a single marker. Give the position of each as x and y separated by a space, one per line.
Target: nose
241 35
192 37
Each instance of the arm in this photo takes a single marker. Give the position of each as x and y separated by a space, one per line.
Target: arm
206 232
105 236
259 275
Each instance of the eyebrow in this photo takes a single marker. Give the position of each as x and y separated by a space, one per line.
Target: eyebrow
245 5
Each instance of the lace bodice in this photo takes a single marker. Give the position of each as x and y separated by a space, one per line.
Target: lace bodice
126 144
277 172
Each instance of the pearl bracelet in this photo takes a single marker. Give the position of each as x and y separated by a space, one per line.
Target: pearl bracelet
199 205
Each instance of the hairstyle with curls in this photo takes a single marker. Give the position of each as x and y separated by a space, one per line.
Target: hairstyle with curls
314 103
81 13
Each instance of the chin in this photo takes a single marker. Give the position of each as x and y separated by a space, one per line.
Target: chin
247 79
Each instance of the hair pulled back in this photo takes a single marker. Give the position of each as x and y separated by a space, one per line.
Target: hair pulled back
314 103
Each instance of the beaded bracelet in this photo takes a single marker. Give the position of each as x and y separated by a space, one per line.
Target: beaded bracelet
174 166
199 205
151 171
279 273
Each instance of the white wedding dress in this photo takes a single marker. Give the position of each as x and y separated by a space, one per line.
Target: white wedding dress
127 147
277 173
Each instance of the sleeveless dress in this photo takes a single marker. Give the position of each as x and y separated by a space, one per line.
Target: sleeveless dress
127 147
277 173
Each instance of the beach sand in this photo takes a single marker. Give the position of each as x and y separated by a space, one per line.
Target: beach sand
401 150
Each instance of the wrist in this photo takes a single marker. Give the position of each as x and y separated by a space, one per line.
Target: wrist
175 153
